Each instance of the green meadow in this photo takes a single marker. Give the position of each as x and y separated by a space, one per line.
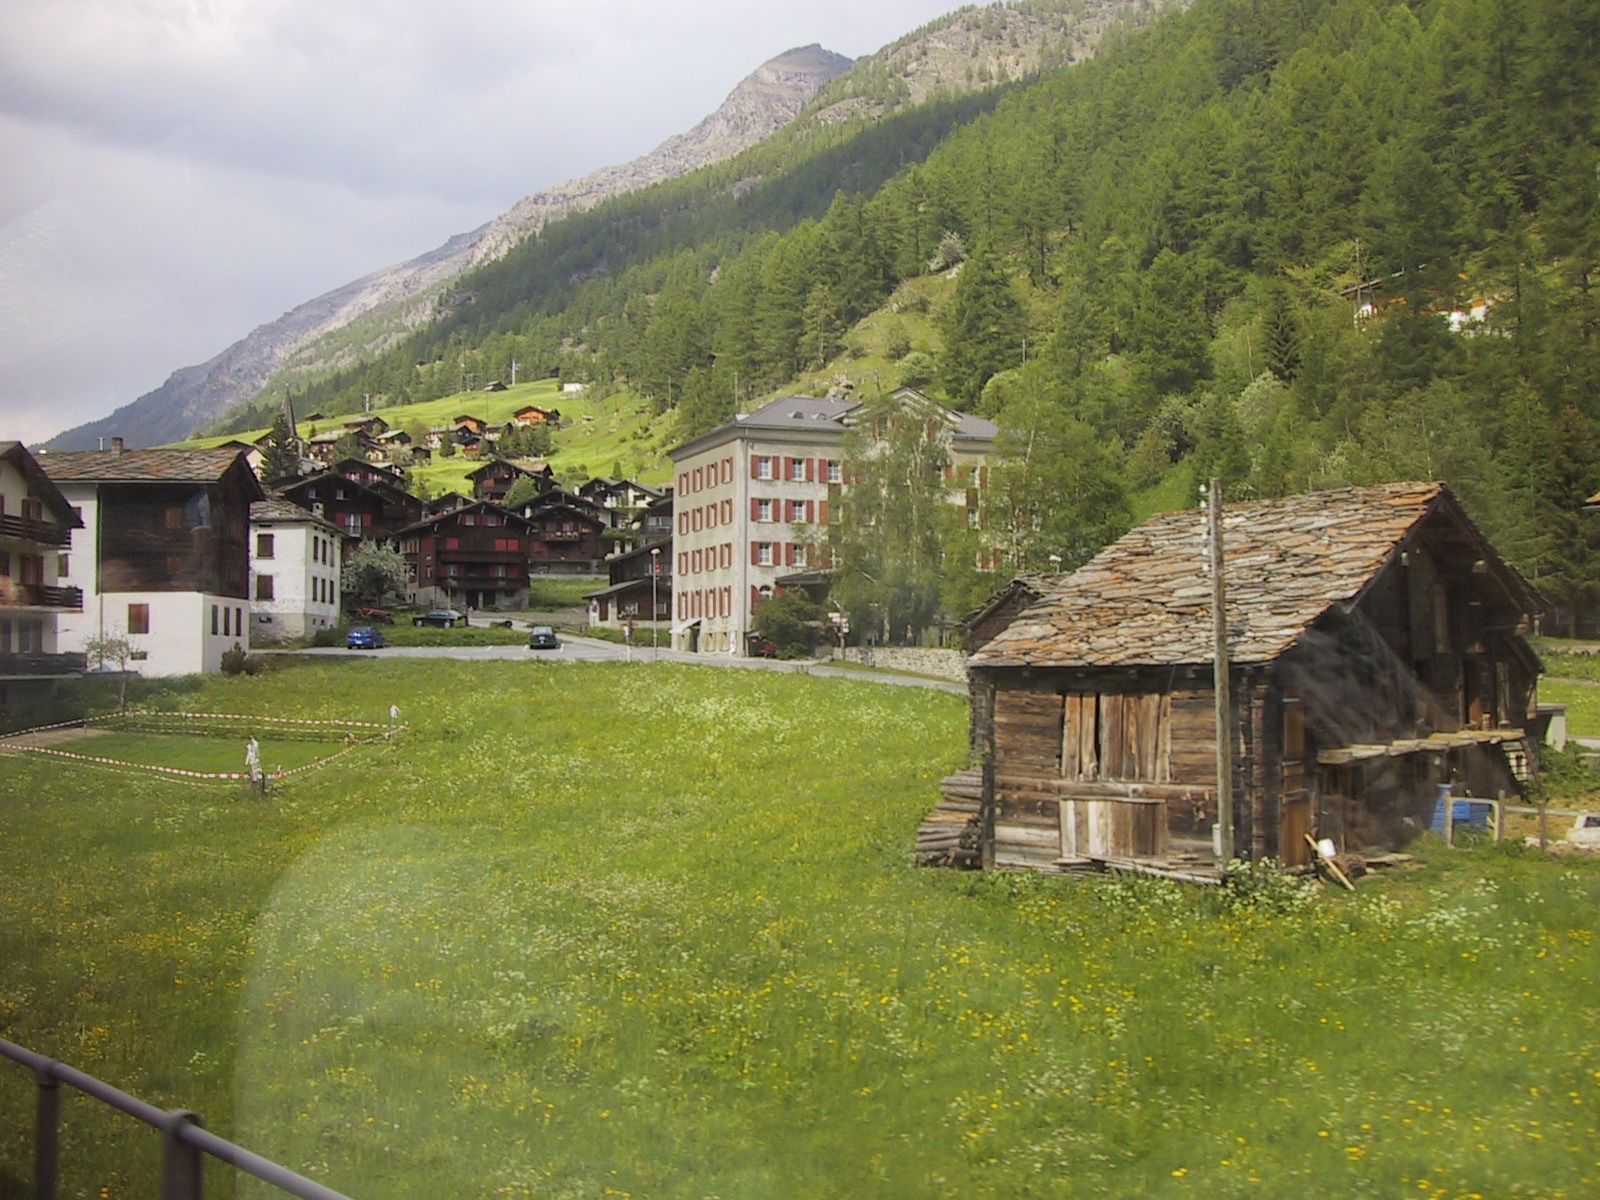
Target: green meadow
649 931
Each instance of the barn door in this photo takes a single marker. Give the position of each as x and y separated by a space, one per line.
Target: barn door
1294 822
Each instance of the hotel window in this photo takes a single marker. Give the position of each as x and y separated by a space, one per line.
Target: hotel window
763 554
763 510
765 467
797 470
835 471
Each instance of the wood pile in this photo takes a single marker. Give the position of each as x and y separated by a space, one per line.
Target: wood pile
951 835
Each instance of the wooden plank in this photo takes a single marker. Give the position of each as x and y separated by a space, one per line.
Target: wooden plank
1103 789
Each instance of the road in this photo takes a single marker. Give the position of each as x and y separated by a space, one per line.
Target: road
582 649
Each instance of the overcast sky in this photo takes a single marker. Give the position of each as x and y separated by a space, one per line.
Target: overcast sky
177 172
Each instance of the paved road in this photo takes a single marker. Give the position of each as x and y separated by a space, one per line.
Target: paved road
582 649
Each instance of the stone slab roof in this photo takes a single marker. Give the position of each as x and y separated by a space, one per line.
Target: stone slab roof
1146 599
139 466
273 509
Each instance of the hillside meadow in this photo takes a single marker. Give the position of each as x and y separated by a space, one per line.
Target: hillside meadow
650 931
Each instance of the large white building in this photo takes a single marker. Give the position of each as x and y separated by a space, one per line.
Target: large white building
294 571
163 558
754 496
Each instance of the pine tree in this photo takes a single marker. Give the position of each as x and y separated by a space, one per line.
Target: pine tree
983 329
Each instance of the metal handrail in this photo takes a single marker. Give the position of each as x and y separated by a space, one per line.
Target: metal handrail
183 1139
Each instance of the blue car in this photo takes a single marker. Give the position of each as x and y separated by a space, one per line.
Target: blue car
364 637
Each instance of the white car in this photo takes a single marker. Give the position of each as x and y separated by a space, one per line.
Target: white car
1585 830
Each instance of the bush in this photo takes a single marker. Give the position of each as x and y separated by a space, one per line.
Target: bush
236 661
329 636
1263 887
788 620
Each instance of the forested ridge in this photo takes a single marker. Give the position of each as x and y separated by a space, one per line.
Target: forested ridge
1231 244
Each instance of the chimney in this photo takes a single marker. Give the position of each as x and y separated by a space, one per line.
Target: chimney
116 445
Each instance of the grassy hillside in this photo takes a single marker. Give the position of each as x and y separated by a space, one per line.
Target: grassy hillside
599 436
527 952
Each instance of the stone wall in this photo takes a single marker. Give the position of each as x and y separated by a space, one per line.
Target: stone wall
919 660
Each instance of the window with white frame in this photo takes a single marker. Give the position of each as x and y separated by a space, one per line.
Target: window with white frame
764 554
766 467
763 510
835 471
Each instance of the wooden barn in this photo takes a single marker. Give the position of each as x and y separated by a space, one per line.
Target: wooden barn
1376 647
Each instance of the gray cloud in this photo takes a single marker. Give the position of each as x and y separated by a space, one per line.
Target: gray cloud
179 171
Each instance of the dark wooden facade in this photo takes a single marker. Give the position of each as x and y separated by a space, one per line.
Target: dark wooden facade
1377 652
475 556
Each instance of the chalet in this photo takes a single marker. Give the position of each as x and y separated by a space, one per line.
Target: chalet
638 578
448 502
530 414
36 524
472 424
400 507
165 556
567 538
623 494
373 427
475 556
1376 651
355 509
496 477
294 566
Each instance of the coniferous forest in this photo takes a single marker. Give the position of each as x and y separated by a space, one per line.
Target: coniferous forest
1289 243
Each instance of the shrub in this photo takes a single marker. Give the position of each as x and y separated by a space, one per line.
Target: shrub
1263 887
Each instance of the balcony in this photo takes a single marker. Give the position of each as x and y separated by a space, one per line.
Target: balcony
25 529
37 595
41 666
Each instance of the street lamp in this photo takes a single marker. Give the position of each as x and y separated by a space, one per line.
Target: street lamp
655 611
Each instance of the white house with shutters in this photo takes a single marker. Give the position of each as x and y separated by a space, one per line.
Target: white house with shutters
753 497
294 572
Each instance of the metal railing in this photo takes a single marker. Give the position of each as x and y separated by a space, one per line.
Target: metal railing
183 1140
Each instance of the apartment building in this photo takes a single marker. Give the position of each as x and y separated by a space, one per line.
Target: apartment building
295 559
753 500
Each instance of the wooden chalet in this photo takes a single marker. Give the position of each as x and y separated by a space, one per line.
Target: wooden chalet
356 510
530 414
475 556
400 508
1376 647
495 479
568 538
627 599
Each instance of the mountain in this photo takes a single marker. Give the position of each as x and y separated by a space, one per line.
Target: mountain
373 311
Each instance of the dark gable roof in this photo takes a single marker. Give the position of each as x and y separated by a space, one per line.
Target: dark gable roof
1146 599
452 514
39 483
140 466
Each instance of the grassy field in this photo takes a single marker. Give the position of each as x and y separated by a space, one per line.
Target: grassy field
188 753
554 944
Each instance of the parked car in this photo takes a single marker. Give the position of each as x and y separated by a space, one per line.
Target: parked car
364 637
437 616
542 637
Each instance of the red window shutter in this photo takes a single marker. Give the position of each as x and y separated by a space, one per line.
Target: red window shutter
811 470
755 470
811 512
983 477
755 554
823 511
788 554
755 509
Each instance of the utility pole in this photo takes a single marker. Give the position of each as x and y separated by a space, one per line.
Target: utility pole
1220 672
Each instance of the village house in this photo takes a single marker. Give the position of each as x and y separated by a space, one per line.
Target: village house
355 509
36 524
1376 648
754 496
400 507
638 578
529 415
475 556
494 479
165 554
294 566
